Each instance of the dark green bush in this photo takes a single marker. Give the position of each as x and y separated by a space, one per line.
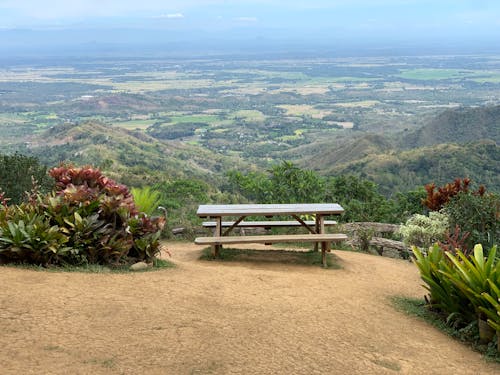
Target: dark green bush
18 173
479 215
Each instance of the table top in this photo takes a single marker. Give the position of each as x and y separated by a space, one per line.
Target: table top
216 210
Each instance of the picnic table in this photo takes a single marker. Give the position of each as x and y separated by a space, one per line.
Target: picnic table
297 211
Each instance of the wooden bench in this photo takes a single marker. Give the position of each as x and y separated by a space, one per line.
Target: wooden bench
325 239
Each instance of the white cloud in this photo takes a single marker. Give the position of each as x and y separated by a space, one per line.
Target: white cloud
171 16
246 19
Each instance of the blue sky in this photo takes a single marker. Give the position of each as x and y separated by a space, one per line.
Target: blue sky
307 20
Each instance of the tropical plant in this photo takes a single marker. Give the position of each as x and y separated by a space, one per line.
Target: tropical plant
473 273
146 199
87 219
492 313
438 197
444 295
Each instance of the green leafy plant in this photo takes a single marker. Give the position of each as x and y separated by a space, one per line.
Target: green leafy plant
479 215
472 274
424 231
435 269
492 313
146 199
87 219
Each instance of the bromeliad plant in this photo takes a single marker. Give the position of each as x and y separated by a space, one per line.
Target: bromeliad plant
473 274
87 219
443 296
463 286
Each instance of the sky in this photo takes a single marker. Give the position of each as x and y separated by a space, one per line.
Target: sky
119 20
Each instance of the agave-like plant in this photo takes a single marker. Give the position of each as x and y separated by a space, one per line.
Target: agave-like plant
473 274
493 313
444 295
473 277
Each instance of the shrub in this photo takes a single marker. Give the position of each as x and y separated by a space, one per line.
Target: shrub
87 219
423 231
476 214
18 173
437 198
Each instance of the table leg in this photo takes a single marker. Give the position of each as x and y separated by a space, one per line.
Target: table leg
325 246
217 233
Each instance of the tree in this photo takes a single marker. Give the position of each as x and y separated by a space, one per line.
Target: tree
18 174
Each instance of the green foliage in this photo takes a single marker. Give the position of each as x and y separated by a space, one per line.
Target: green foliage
286 183
492 312
360 199
475 274
424 231
88 219
18 173
146 199
477 214
462 286
444 294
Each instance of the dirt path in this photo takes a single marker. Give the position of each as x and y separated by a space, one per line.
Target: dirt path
224 318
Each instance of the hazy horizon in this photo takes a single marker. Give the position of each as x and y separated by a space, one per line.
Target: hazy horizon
247 26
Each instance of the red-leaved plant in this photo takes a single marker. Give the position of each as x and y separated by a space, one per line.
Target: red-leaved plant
438 197
89 218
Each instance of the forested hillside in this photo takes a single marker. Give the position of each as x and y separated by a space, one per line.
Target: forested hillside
461 125
462 142
129 156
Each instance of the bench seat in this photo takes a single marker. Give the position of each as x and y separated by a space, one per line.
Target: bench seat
226 240
265 224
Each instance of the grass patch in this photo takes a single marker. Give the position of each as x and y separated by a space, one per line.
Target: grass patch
307 258
158 264
469 334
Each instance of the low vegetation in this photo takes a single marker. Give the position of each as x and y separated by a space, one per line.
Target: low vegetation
86 219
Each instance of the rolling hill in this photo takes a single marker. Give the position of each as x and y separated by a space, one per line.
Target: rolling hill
459 125
128 156
462 142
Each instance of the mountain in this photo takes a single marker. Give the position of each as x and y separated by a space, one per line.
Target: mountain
459 125
402 171
127 156
463 142
342 152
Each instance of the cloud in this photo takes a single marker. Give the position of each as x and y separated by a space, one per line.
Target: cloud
171 16
246 19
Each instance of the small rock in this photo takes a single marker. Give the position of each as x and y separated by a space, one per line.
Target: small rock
176 231
139 266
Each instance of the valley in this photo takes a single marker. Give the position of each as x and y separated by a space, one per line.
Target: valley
201 117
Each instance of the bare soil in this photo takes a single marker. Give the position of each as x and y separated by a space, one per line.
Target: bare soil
215 317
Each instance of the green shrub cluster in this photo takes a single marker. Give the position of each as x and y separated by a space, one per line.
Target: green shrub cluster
360 198
88 218
463 287
423 231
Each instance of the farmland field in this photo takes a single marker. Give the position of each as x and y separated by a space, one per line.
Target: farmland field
254 108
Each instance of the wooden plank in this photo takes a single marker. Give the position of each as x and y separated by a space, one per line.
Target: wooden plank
328 237
265 224
215 210
234 225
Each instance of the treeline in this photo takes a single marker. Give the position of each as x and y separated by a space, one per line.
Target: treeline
361 198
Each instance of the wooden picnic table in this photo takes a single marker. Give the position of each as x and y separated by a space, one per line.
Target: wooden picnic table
316 233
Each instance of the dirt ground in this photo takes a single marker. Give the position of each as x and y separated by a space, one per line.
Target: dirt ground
202 317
